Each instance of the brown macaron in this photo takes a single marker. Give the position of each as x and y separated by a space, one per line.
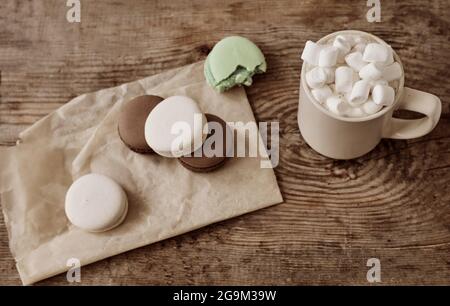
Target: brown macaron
131 123
198 161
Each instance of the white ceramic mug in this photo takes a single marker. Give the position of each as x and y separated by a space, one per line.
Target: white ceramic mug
346 138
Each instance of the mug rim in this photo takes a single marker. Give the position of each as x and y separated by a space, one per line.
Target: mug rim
354 119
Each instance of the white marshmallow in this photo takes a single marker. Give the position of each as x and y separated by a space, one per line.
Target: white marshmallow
375 52
336 105
355 61
370 72
316 77
359 47
330 74
344 47
355 112
374 83
321 94
383 95
328 56
390 58
342 44
392 72
360 93
311 53
344 78
371 107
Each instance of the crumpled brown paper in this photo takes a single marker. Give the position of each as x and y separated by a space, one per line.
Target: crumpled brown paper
165 199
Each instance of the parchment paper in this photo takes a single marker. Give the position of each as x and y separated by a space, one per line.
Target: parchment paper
165 199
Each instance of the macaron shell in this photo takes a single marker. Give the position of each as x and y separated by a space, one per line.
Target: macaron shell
96 203
162 119
232 52
207 72
202 170
203 163
131 122
118 222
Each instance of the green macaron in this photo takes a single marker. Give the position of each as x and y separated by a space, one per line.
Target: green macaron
233 61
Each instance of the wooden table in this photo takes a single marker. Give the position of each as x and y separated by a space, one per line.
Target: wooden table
392 204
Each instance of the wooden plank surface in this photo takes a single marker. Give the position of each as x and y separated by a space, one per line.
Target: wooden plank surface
393 203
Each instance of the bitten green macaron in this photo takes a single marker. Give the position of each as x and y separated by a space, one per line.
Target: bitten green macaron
233 61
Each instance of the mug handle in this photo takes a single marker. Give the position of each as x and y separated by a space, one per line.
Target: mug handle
417 101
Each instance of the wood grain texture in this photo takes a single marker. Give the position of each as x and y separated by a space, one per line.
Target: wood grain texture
393 203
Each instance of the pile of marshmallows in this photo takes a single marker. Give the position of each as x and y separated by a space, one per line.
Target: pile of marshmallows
351 76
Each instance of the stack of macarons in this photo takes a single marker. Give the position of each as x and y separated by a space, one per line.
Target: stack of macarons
174 127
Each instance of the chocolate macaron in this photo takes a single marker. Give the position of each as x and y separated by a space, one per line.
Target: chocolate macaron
131 123
213 154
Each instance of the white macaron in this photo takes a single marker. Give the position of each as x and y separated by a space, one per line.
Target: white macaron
96 203
174 128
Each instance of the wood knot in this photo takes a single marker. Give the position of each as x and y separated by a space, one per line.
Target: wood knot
344 169
204 49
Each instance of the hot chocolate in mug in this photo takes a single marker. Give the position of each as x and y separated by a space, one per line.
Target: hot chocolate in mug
346 138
